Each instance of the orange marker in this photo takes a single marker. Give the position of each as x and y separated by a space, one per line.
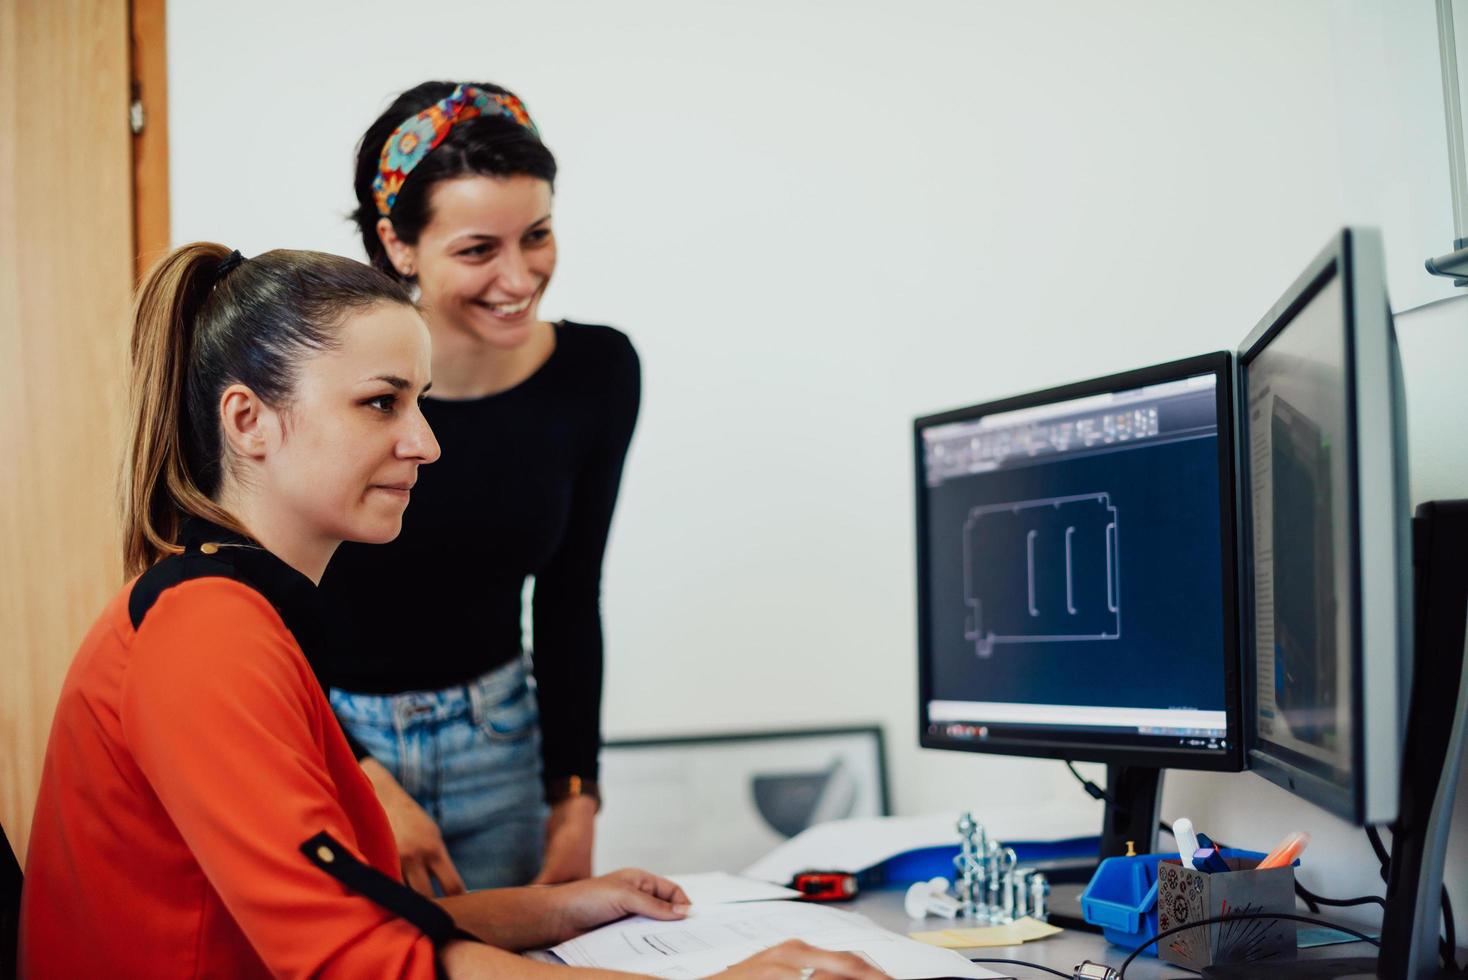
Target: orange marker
1285 852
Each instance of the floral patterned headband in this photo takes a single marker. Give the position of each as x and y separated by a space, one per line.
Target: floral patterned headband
416 138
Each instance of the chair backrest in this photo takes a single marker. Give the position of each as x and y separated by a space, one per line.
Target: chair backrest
10 880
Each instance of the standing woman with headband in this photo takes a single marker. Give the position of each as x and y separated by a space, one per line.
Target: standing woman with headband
484 787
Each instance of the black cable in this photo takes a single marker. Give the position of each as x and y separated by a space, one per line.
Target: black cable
1092 790
1157 937
1450 934
1382 854
1312 901
1032 966
1448 942
1339 903
1097 793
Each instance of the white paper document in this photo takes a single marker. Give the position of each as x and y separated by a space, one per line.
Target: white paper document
715 937
720 888
855 845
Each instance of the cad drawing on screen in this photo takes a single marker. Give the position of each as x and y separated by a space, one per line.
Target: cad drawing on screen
1041 571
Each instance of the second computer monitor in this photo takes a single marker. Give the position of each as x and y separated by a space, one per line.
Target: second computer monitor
1076 563
1325 533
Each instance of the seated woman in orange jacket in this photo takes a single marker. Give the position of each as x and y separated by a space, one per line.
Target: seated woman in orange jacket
200 812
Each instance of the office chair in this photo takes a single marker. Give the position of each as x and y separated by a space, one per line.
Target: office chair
10 880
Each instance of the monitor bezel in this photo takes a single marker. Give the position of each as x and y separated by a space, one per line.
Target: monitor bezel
1231 759
1379 562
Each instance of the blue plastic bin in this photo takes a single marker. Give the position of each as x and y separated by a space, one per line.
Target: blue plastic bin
1122 897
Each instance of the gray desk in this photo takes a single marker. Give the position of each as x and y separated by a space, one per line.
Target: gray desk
1062 952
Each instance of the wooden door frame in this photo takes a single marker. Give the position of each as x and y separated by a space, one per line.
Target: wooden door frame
148 71
67 233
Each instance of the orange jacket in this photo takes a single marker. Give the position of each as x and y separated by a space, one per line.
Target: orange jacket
188 761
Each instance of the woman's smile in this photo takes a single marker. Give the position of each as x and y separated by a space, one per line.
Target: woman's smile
510 312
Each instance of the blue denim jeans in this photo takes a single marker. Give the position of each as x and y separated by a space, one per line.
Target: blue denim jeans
470 756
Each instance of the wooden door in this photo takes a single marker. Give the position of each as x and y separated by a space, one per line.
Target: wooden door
67 257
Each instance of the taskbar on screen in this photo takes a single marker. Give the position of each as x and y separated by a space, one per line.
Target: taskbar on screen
993 736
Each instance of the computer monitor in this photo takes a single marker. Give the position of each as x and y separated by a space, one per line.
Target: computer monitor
1325 536
1077 576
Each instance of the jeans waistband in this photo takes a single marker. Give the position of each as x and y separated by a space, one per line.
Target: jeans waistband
502 684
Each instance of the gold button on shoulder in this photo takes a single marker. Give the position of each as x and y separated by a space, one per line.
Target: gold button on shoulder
209 548
324 853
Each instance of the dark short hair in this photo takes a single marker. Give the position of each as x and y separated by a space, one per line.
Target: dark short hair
486 146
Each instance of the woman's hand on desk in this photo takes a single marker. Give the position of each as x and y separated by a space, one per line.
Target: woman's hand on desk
420 844
569 832
584 905
537 916
793 957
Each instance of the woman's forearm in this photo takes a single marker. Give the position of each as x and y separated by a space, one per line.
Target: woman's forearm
472 961
510 918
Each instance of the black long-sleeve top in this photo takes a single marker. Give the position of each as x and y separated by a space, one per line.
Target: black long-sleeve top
525 486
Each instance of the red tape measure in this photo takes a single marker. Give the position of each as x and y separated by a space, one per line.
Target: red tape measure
825 886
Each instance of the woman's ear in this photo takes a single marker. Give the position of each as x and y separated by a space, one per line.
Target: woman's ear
249 424
399 253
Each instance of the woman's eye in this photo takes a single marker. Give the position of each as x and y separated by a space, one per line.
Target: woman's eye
474 251
383 403
538 235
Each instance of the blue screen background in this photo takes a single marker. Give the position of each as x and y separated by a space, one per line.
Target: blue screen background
1171 650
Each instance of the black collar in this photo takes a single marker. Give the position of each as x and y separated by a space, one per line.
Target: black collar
211 551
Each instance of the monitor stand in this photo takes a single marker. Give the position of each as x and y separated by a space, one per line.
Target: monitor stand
1431 754
1132 811
1434 741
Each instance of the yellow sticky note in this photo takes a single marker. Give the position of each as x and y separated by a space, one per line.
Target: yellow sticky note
1021 931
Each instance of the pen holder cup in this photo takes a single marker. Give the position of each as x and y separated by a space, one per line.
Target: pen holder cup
1122 896
1185 895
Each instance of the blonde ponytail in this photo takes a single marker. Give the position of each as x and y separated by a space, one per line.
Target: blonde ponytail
158 489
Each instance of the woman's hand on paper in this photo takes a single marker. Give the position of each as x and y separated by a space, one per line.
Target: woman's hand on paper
593 902
792 958
420 844
536 916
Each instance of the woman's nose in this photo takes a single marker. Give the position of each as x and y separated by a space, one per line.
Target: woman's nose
515 275
420 443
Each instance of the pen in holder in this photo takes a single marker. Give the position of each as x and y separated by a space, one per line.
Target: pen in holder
1185 895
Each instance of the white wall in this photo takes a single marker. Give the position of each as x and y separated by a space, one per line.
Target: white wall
1392 154
821 219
